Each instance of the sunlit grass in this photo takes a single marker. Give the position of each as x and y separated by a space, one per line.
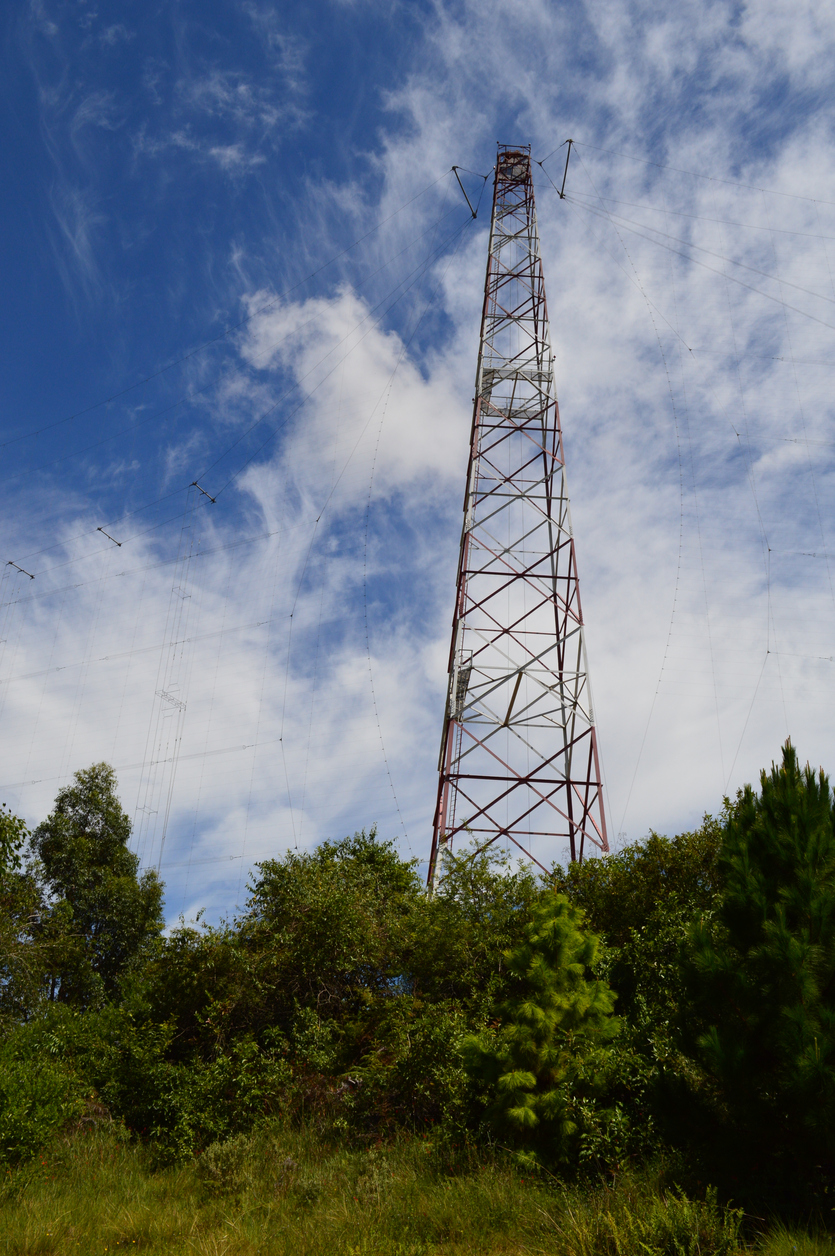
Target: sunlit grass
781 1241
286 1193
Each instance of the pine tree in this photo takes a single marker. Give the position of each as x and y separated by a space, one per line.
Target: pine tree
556 1014
763 976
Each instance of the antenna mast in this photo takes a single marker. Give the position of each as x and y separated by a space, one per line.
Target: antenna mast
519 756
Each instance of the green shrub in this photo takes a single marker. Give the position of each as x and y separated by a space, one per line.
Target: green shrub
546 1045
225 1168
37 1098
176 1107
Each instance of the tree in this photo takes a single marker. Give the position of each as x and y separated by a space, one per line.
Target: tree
763 979
13 834
329 925
342 963
101 916
20 901
461 935
556 1014
642 902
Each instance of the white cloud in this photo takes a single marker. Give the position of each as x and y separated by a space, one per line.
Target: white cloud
78 218
700 467
234 157
225 117
289 51
617 411
313 714
41 20
116 34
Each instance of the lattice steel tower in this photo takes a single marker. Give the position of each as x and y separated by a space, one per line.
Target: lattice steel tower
519 753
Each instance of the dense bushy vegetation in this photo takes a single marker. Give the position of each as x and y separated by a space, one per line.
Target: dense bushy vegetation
672 1005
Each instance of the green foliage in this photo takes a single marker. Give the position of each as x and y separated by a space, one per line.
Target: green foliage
782 1241
21 969
323 936
346 1003
642 901
37 1099
19 901
125 1062
330 924
100 917
411 1073
226 1167
460 935
339 962
13 834
763 980
553 1021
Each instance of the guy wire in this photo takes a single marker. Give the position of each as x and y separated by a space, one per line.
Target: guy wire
403 348
753 187
227 331
324 507
698 528
416 273
681 501
339 405
749 464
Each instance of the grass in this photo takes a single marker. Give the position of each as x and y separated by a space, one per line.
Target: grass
287 1194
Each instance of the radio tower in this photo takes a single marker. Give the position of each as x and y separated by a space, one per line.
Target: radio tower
519 756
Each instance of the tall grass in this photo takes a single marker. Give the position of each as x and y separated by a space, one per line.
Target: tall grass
288 1193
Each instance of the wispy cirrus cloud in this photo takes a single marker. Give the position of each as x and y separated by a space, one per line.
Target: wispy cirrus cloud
185 101
116 34
696 404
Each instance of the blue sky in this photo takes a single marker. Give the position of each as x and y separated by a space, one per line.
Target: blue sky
237 220
167 161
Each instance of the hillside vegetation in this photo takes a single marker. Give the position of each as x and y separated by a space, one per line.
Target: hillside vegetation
635 1055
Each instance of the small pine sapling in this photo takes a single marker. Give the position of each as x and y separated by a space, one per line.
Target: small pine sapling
557 1016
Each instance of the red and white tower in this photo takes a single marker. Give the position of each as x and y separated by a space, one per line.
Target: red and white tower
519 757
